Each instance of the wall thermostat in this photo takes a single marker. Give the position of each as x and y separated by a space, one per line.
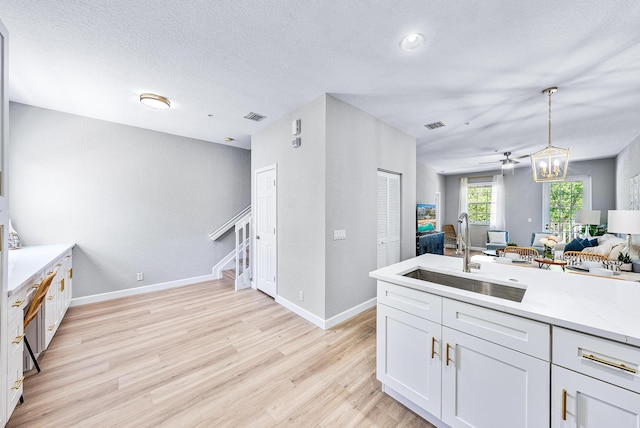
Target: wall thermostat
295 127
295 143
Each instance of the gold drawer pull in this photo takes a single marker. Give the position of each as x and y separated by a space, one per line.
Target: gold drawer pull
59 264
18 303
609 363
50 297
564 404
50 328
18 339
62 284
18 383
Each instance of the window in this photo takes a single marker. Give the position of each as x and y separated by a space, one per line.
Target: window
561 201
479 203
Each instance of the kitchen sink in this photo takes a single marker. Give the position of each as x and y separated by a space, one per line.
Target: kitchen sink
469 284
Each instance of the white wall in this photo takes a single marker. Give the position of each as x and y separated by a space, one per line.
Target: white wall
329 183
133 200
359 144
627 166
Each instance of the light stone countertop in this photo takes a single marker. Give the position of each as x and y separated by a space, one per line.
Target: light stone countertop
600 306
27 262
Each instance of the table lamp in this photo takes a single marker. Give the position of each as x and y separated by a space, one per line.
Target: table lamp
625 221
588 217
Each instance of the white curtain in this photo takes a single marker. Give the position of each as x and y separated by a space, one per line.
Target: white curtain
462 205
462 208
498 208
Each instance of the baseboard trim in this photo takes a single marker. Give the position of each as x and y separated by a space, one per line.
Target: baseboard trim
94 298
328 323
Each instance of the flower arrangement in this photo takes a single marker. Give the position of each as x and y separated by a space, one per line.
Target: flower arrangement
549 244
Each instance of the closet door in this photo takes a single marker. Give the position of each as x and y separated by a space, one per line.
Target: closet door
388 236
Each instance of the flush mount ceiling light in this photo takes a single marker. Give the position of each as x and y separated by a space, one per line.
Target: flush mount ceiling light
155 101
412 42
229 139
550 163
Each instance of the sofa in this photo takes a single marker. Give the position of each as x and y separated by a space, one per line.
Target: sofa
607 245
497 239
537 236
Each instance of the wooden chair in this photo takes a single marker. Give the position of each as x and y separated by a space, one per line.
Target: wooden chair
574 258
523 251
450 236
34 308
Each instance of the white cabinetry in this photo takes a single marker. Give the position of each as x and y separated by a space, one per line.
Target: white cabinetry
464 365
595 382
4 223
58 297
15 341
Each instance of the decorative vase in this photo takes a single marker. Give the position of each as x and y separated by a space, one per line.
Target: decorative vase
548 252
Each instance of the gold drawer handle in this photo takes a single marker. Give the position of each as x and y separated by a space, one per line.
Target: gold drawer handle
18 383
17 303
18 339
50 328
609 363
564 404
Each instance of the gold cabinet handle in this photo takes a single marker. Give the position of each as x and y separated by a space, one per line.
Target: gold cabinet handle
447 356
62 284
609 363
18 339
18 383
70 273
50 297
50 328
18 303
59 264
564 404
433 347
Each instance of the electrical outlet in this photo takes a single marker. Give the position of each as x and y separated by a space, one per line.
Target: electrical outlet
301 295
140 276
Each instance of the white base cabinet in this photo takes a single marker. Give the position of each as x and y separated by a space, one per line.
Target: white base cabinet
462 379
585 402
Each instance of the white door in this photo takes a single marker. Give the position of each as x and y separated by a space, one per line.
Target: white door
388 248
582 401
265 212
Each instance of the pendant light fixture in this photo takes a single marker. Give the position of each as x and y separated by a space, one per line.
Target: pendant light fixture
550 163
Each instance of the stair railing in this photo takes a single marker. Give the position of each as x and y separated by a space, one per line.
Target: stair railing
243 259
228 225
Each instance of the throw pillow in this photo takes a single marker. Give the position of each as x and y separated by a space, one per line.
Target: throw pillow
594 242
497 237
575 245
537 237
586 243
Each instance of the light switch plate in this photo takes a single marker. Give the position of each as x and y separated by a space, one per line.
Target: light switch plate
339 235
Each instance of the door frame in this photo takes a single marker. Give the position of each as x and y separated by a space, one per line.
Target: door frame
254 216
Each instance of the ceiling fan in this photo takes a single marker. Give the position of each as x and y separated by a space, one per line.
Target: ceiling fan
507 162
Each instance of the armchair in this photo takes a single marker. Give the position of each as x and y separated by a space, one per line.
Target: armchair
497 239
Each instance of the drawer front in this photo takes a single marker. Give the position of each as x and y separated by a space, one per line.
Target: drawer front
17 304
520 334
15 336
418 303
604 359
15 379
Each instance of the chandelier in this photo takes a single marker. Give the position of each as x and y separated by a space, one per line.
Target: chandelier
550 163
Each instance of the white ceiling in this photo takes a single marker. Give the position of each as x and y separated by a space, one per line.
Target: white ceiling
481 71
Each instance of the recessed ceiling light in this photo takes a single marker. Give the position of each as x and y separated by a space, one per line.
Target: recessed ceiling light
412 41
155 101
229 139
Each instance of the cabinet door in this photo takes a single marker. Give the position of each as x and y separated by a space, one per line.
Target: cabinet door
488 385
408 351
585 402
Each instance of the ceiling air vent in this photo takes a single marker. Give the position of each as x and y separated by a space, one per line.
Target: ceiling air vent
255 117
434 125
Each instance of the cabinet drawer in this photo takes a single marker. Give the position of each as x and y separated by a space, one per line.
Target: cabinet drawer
17 304
419 303
520 334
604 359
15 377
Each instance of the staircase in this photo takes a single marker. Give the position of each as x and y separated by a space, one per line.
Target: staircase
241 275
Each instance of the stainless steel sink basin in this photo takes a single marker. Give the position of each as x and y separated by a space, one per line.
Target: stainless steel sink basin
477 286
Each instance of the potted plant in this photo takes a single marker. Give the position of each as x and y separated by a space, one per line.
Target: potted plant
549 244
626 262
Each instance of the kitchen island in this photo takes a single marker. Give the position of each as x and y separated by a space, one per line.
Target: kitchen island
567 354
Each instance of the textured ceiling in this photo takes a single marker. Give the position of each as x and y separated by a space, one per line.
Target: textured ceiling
481 71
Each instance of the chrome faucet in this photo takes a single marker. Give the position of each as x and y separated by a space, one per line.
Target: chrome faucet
467 265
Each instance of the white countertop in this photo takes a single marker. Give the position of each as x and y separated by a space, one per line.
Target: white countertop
26 262
604 307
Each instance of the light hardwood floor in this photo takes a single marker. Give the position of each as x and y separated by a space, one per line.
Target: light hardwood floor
205 356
